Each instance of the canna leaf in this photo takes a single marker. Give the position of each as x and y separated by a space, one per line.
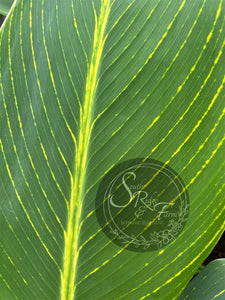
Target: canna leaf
84 87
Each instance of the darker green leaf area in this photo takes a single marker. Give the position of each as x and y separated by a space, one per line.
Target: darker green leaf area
208 284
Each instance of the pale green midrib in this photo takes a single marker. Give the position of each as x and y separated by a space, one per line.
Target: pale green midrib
71 236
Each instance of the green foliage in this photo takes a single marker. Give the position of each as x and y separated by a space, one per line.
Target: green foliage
85 85
209 284
5 6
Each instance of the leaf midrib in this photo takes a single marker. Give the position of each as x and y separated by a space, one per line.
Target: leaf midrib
71 236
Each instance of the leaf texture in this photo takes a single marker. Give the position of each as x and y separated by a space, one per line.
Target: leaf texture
85 85
5 6
209 284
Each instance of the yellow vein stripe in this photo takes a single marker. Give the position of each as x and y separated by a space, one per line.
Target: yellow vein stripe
85 25
127 28
52 76
206 162
116 22
8 287
206 140
35 125
78 34
21 128
46 114
71 238
179 288
214 297
219 294
66 63
24 208
184 298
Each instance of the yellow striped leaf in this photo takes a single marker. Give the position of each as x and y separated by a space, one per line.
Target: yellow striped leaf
86 85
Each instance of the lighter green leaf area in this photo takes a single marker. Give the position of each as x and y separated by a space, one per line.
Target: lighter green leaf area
5 6
85 85
208 284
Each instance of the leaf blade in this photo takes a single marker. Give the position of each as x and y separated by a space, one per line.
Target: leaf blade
147 102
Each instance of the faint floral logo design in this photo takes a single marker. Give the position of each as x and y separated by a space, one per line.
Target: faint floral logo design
142 205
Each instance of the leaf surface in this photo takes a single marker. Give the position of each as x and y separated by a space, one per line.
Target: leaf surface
85 85
208 284
5 6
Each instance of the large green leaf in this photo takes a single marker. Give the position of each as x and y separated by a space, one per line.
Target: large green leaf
5 6
208 284
86 85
